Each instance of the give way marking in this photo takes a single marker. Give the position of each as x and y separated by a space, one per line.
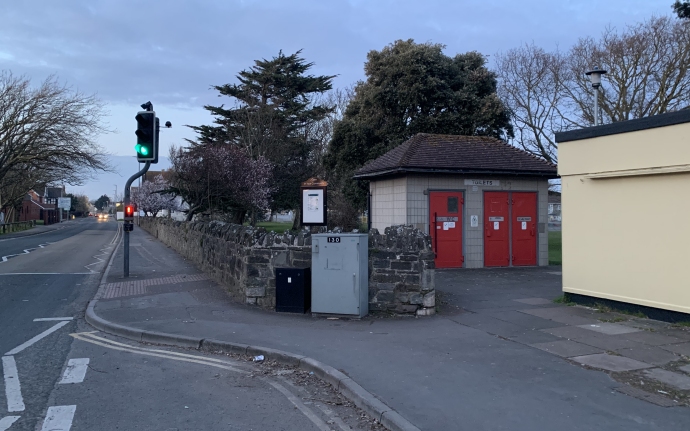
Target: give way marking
7 421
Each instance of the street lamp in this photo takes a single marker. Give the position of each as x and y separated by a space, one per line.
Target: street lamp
595 79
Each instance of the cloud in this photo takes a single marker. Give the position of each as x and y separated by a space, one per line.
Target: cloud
171 52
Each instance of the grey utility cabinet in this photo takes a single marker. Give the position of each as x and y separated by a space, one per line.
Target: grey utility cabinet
340 274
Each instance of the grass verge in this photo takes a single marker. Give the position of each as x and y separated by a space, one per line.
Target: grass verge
563 299
555 253
277 227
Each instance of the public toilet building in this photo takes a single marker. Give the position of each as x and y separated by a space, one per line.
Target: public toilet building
626 211
483 202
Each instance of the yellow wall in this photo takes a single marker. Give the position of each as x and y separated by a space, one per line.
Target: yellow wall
626 217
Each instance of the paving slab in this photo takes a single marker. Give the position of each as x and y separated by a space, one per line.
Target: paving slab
649 354
595 339
525 320
648 324
609 328
682 348
675 332
608 362
534 301
559 314
652 338
676 380
567 348
534 337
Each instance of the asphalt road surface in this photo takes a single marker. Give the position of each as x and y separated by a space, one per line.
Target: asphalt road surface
59 374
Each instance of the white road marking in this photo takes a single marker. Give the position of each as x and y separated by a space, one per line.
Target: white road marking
13 391
328 412
59 418
75 371
26 251
86 336
37 338
47 273
300 405
7 421
90 337
50 319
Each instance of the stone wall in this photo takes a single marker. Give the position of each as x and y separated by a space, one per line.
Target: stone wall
244 259
401 271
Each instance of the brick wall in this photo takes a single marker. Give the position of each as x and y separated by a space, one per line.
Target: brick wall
244 259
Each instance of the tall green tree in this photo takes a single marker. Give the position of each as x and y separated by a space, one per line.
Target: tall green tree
271 117
682 9
101 202
412 88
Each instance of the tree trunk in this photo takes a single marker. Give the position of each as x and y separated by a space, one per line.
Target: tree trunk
297 222
238 217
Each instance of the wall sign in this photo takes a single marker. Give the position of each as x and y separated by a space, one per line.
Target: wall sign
483 183
444 219
497 225
524 219
335 239
474 221
495 218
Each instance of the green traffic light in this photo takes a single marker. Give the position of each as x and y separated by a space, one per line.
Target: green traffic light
144 151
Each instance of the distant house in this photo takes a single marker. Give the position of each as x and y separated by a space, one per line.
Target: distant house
554 213
483 202
37 207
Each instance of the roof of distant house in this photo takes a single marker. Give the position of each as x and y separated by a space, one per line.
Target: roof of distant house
55 192
151 175
554 197
456 154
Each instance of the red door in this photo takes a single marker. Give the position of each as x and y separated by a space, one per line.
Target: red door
496 237
524 221
445 226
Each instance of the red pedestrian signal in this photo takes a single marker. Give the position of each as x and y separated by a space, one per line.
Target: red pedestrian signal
130 209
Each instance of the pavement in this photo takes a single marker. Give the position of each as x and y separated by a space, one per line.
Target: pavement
499 354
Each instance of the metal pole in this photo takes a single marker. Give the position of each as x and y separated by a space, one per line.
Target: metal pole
126 202
596 106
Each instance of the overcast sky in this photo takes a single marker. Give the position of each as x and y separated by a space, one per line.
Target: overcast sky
170 52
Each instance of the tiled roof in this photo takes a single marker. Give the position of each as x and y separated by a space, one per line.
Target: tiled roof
456 154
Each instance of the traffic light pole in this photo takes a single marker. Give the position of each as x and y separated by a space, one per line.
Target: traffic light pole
127 186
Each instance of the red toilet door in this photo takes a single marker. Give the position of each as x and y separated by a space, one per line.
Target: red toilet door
496 237
445 226
524 221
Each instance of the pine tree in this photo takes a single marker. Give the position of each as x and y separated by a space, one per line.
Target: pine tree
270 118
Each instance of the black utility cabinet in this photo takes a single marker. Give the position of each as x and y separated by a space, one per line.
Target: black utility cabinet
293 290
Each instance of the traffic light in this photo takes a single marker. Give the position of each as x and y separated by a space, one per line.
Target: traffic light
147 137
130 210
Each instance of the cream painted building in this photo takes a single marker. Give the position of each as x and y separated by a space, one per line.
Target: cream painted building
626 211
483 201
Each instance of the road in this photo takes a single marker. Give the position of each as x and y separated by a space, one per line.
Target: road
60 374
